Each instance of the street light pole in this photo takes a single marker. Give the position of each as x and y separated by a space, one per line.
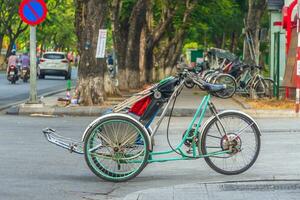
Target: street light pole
33 93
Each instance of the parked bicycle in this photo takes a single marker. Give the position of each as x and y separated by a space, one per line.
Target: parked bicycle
251 82
239 77
118 146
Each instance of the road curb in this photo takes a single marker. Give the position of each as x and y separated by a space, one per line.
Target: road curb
272 113
202 189
14 108
241 102
85 111
98 111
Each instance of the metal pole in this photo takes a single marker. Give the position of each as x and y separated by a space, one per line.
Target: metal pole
298 62
278 66
275 62
33 93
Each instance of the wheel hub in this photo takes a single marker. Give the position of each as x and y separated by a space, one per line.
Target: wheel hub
116 149
231 142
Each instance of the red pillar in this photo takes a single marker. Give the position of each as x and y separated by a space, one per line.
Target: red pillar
298 62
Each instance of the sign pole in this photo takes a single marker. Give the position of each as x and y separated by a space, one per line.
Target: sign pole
33 93
33 12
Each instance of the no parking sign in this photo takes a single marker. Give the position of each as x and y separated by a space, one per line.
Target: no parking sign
33 12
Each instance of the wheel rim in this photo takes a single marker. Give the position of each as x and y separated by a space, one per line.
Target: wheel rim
269 87
260 89
116 149
246 140
230 85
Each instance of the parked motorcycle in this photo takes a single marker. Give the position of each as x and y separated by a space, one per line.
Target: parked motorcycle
12 75
25 74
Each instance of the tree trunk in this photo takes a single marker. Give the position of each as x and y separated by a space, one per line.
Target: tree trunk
254 16
136 21
10 46
169 55
1 41
127 35
233 42
91 15
142 56
223 40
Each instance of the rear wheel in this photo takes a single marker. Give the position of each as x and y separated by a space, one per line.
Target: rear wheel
116 148
235 133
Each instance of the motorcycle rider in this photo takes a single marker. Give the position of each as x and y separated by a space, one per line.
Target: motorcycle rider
25 60
12 61
25 67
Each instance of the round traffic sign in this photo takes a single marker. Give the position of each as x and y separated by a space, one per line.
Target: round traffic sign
33 12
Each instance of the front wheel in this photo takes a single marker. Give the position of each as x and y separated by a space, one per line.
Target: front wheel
230 142
116 148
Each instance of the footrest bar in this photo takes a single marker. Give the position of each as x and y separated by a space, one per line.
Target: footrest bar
66 143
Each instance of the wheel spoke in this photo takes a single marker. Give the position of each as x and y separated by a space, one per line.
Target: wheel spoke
242 138
111 151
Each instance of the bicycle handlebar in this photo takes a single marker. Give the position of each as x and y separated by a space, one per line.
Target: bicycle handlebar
187 75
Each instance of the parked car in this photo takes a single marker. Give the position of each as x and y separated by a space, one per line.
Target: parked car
54 64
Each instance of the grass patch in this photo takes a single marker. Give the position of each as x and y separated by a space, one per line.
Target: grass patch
271 104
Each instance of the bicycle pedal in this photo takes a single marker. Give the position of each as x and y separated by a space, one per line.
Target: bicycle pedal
190 151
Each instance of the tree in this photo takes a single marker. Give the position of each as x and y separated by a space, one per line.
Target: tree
10 22
256 9
128 17
90 15
58 30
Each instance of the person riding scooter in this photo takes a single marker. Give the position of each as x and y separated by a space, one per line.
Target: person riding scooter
25 67
12 70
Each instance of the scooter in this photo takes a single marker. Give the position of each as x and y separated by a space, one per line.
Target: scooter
12 75
25 74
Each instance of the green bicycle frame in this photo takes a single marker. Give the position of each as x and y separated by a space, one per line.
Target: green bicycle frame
197 120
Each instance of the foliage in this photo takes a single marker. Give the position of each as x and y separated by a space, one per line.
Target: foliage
56 32
213 19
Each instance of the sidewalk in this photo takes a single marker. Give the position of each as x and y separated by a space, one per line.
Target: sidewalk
248 190
186 106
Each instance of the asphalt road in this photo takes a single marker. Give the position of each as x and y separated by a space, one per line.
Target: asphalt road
33 169
10 94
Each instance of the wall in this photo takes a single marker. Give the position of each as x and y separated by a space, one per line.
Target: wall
276 16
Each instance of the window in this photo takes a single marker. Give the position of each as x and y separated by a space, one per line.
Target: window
53 56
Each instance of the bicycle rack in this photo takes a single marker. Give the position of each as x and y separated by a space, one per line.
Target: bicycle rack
66 143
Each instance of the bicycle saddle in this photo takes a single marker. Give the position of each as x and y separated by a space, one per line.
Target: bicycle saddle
214 87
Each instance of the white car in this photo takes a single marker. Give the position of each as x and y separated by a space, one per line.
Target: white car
54 64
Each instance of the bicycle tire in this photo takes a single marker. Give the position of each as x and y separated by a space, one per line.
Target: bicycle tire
189 84
230 83
98 166
259 88
212 161
269 85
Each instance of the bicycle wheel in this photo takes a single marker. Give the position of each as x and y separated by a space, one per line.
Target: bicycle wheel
242 140
189 84
230 83
116 148
269 85
213 77
259 88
